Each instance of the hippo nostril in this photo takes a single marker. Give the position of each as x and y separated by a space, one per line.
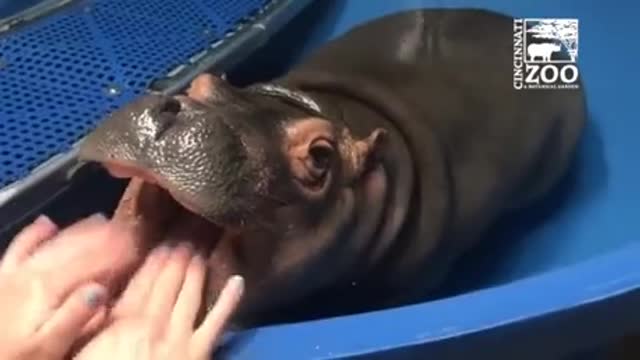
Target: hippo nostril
171 106
164 116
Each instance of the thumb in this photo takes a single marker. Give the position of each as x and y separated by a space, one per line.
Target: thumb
57 335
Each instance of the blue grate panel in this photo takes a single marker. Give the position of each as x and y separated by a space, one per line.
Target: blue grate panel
60 75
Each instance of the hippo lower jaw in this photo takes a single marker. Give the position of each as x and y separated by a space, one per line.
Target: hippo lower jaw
154 216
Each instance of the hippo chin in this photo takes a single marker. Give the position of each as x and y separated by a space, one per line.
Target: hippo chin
355 180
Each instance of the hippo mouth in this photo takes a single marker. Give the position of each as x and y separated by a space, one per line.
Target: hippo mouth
154 215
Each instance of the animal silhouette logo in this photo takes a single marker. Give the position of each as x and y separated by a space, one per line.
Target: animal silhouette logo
551 40
542 50
545 54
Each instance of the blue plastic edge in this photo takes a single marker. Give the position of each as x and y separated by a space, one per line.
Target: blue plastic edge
23 198
584 298
32 13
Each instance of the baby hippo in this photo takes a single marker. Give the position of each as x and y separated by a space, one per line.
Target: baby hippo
355 180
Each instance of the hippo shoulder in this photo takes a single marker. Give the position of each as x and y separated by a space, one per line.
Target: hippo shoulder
407 37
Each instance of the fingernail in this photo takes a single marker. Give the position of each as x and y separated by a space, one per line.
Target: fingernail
100 217
44 220
237 282
185 246
160 252
95 296
162 249
199 259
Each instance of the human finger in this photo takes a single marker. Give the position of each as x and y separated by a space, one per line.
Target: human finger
65 246
27 241
135 295
99 321
64 327
95 323
94 250
167 286
206 336
190 297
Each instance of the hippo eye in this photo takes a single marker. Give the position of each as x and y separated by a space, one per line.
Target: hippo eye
320 156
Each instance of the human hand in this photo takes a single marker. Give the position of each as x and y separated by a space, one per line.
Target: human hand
156 315
48 293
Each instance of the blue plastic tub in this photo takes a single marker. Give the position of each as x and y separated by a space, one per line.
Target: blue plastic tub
558 279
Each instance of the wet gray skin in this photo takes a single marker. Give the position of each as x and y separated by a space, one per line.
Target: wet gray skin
270 173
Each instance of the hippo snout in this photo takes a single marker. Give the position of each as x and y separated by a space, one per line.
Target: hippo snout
196 151
150 117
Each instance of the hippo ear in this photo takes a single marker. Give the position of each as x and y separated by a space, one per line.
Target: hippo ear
372 146
367 152
205 87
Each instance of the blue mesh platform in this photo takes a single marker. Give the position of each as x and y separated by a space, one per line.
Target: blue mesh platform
61 74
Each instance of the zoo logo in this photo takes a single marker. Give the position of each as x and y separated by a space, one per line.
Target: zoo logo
545 52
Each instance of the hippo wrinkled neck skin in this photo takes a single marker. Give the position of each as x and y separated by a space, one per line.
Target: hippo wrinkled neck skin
355 180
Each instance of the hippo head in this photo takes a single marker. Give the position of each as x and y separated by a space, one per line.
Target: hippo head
256 181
